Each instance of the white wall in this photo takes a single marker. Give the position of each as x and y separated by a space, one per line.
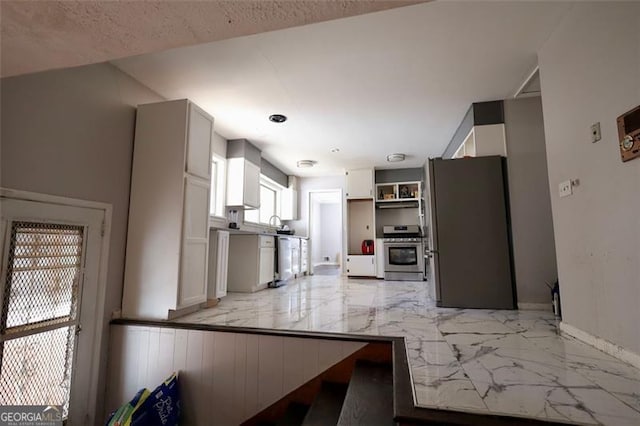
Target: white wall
70 133
590 72
225 378
330 243
534 249
305 185
315 232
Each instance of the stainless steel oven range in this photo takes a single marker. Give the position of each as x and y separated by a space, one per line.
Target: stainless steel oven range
403 253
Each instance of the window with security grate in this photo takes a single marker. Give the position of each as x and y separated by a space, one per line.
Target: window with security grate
39 316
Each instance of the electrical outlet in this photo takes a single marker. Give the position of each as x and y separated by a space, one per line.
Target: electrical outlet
595 132
564 189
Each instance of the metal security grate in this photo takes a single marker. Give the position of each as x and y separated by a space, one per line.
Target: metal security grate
36 369
39 313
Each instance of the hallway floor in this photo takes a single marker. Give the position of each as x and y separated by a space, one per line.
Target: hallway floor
510 362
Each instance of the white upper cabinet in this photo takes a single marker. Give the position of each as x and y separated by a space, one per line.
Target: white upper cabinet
360 183
243 183
289 200
251 185
199 136
167 241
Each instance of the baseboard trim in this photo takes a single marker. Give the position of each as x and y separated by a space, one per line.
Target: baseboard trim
605 346
535 307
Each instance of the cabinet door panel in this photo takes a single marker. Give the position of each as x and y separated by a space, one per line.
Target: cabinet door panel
199 143
267 259
360 183
222 263
196 208
251 185
193 274
361 265
192 287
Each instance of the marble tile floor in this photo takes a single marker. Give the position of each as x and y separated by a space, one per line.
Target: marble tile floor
502 362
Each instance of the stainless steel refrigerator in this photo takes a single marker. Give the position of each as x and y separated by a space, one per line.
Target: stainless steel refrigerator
470 241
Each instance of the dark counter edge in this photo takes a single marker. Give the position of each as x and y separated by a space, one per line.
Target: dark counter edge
405 412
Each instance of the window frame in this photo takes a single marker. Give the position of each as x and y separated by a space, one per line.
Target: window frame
217 202
270 184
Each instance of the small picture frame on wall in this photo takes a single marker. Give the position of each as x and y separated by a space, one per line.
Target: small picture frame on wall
629 134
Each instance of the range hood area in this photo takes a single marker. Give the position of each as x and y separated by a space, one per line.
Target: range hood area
398 205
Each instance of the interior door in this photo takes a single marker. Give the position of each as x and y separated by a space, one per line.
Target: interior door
49 330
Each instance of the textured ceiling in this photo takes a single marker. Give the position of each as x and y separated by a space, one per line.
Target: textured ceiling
42 35
370 85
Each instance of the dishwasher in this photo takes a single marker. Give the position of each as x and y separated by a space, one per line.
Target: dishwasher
284 261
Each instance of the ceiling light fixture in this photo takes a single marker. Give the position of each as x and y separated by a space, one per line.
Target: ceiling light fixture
277 118
305 164
334 150
394 158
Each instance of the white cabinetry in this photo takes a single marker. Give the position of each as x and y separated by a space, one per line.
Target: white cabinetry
359 183
243 183
304 256
167 241
289 200
361 265
251 262
267 260
484 140
360 208
218 264
295 257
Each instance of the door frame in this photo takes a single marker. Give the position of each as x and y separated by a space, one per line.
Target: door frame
310 226
103 263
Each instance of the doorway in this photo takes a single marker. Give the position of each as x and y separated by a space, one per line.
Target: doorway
325 231
51 303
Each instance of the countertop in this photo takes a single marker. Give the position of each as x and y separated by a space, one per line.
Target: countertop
242 231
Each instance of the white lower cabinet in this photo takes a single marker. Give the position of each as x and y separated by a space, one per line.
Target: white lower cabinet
361 265
195 239
218 264
267 264
304 256
295 257
251 262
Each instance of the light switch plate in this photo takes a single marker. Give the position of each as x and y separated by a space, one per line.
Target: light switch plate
565 189
595 132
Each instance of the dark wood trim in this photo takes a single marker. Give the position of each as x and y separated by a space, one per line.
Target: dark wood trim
365 338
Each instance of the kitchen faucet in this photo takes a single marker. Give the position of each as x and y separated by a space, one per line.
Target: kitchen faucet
274 222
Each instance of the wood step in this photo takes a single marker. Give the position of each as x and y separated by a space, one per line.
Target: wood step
294 416
327 405
369 398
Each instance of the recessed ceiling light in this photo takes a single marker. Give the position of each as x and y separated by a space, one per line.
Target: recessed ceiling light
334 150
305 164
278 118
394 158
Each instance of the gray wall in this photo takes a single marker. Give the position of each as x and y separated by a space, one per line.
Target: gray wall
590 72
70 133
531 221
